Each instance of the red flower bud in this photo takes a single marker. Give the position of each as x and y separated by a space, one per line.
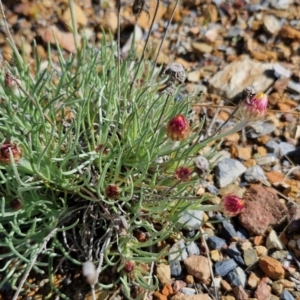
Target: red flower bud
178 128
15 204
129 266
5 152
232 205
112 191
183 173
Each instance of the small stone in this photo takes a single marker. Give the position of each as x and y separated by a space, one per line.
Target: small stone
215 242
179 284
273 241
194 76
246 245
250 257
240 293
231 80
263 292
264 160
233 279
225 286
227 171
160 296
271 24
178 251
255 174
261 250
200 48
228 230
258 215
80 16
180 296
285 148
188 291
253 280
241 275
286 295
215 255
198 266
191 219
280 255
193 249
176 269
243 153
235 254
277 287
163 273
271 267
275 176
260 129
222 268
258 240
167 290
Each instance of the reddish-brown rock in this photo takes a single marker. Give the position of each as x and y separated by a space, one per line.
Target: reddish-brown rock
271 267
262 209
240 293
263 291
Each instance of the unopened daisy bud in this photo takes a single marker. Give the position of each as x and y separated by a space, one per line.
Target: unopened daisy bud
253 108
112 191
5 150
178 128
15 204
183 174
232 205
129 266
90 273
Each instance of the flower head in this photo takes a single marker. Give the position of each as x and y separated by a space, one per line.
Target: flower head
128 267
5 150
253 108
112 191
232 205
178 128
183 174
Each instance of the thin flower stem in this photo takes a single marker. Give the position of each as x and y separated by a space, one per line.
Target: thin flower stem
163 39
118 49
74 24
162 112
145 47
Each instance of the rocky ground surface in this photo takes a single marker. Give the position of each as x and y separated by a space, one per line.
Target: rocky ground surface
224 47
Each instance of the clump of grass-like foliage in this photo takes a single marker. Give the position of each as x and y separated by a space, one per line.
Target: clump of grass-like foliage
95 167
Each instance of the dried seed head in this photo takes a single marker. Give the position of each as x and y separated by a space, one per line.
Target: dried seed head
178 128
254 108
112 191
90 273
176 72
201 165
9 82
183 174
5 150
138 6
15 204
232 205
248 92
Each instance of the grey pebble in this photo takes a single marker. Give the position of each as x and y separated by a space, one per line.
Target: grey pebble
188 291
241 275
272 146
286 295
233 279
227 171
191 219
285 148
228 230
215 242
193 249
222 268
235 254
176 269
280 254
254 174
260 129
178 251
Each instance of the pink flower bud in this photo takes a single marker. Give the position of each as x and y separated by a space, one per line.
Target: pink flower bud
9 81
254 108
5 152
232 205
112 191
178 128
183 173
